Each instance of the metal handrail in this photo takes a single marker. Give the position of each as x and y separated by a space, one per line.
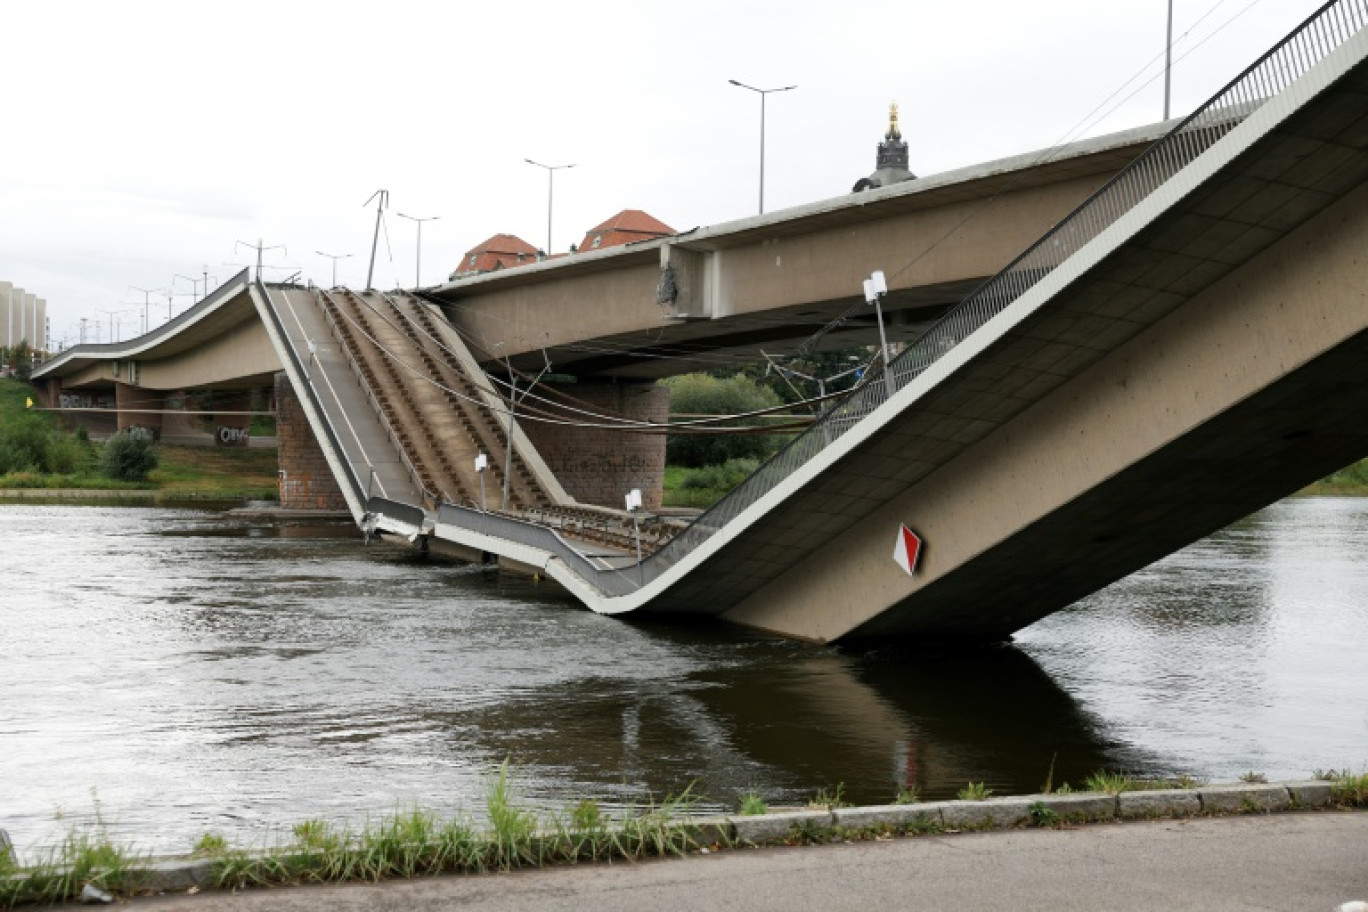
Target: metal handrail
360 492
1331 26
341 409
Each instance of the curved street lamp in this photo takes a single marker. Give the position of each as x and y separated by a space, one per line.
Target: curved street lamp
762 93
550 192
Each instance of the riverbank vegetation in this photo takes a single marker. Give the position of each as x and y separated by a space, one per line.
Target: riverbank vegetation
1352 480
38 453
413 842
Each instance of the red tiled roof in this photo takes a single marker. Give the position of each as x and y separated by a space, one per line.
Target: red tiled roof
627 226
499 252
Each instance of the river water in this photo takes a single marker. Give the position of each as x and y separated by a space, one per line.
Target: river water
188 671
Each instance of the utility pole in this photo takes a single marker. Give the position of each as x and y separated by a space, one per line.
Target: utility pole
260 248
380 205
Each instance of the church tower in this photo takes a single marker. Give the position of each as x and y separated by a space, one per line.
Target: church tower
890 163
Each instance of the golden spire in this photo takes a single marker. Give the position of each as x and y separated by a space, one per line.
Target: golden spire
893 131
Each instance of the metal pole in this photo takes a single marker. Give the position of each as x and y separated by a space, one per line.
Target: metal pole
636 533
375 241
883 347
418 274
762 152
550 195
508 450
762 93
1168 58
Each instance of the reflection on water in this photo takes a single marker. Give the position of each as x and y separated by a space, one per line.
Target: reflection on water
205 672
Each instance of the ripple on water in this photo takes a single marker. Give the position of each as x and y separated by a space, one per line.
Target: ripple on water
202 672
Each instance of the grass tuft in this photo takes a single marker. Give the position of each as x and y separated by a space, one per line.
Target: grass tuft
1111 783
974 791
1351 790
826 799
752 805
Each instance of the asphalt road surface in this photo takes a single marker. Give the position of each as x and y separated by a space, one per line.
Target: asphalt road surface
1302 861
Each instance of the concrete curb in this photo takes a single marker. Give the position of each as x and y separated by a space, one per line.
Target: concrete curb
923 817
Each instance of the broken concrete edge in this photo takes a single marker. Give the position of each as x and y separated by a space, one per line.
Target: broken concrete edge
926 817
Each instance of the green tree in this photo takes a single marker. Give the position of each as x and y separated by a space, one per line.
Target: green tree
703 394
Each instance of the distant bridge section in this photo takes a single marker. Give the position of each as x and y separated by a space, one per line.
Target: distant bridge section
769 283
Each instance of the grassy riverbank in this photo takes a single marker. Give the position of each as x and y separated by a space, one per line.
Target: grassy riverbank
40 457
417 843
182 473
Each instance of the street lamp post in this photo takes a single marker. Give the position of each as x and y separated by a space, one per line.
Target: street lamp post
418 273
334 257
1168 58
147 303
550 194
762 93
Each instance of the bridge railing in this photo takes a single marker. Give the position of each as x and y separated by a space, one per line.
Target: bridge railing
360 491
1331 26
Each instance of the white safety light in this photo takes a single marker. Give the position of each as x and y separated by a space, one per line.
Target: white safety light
482 463
875 287
633 500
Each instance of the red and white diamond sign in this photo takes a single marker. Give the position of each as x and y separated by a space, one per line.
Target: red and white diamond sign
907 550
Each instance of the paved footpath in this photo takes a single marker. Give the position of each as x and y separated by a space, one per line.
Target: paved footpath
1295 861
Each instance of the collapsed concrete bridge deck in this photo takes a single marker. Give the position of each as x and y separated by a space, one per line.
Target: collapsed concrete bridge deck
1187 345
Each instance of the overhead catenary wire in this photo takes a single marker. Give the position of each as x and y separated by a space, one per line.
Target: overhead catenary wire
623 424
598 414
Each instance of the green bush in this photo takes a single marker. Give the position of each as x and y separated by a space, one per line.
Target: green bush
28 443
128 456
702 394
722 477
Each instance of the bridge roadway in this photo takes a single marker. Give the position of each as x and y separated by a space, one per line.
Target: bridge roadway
1189 346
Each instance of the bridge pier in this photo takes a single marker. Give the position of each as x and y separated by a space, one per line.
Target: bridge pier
306 481
597 465
139 408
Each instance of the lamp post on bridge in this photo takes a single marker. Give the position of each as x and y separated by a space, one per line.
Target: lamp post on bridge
418 273
334 257
550 195
762 93
147 303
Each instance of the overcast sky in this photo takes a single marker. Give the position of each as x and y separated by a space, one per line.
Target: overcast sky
144 139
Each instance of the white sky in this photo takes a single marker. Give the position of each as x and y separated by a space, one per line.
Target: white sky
144 139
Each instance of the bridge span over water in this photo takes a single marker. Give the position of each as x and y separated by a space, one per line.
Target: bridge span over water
1187 345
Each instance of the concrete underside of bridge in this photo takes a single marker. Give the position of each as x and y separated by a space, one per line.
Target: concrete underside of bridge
1241 377
1126 463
